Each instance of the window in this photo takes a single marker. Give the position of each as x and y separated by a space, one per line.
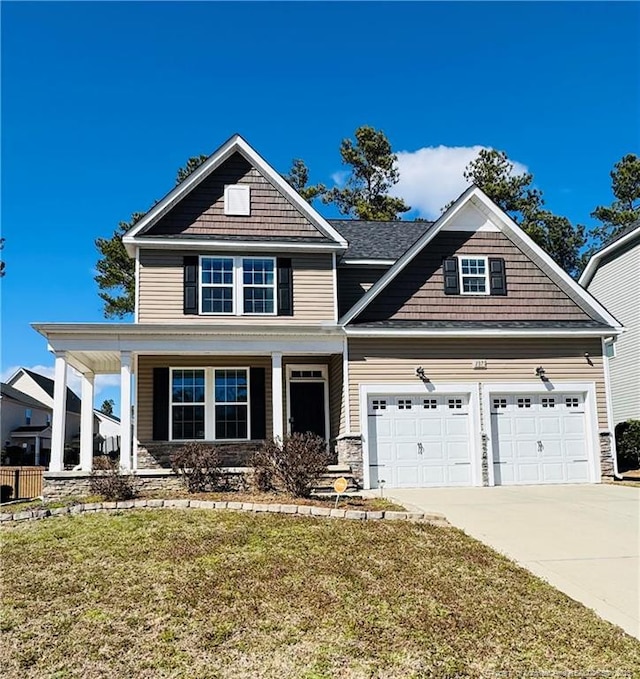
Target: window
454 403
571 402
499 403
237 200
225 280
524 403
210 404
378 404
187 404
404 404
430 403
548 402
216 278
231 404
474 276
27 416
258 283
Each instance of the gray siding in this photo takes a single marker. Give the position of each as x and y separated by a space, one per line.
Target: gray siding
161 290
417 293
354 281
616 284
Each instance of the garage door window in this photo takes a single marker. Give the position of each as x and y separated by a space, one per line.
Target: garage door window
548 402
430 403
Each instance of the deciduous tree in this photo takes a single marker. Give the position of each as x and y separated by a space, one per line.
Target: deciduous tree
372 172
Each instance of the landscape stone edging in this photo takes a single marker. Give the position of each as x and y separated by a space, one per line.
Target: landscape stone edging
301 510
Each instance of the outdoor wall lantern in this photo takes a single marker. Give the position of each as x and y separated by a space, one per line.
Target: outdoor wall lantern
541 372
420 374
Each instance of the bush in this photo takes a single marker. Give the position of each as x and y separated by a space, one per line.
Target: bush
199 466
628 445
108 480
293 465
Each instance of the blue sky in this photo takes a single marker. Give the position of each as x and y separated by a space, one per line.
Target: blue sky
102 102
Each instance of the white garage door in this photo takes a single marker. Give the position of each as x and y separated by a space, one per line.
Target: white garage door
539 438
417 441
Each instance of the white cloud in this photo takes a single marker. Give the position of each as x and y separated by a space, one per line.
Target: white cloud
339 178
73 378
432 176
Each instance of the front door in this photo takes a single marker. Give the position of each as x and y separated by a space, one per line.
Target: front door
306 409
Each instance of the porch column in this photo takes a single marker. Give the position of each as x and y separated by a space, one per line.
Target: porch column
125 410
86 422
56 464
277 395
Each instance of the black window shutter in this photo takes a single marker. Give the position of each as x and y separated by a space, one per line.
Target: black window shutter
285 287
161 404
190 263
497 278
450 271
257 403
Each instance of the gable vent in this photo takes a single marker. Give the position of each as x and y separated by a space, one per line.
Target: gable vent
237 199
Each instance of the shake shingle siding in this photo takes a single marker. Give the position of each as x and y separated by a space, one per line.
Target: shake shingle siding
201 212
417 293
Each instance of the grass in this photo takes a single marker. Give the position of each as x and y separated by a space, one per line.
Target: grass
204 595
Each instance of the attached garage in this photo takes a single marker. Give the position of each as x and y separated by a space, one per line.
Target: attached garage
420 440
539 438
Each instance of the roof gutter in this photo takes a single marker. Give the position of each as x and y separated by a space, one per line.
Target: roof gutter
482 332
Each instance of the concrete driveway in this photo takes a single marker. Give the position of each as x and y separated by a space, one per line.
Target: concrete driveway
584 540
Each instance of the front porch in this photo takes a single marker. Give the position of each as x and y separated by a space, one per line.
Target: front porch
231 387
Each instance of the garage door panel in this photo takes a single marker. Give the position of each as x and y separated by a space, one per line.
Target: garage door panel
553 472
385 452
383 428
457 425
457 451
433 476
433 451
574 425
460 475
524 426
550 425
406 451
539 438
431 427
405 428
406 476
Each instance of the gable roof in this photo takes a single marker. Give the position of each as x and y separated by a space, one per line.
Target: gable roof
17 395
236 144
378 240
610 250
47 384
475 196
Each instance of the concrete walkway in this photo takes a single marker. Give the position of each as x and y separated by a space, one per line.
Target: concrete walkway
583 539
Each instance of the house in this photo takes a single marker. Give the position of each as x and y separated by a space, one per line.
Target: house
428 354
612 275
25 423
106 429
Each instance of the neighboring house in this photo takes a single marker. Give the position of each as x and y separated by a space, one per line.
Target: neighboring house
612 275
25 422
106 429
41 388
445 353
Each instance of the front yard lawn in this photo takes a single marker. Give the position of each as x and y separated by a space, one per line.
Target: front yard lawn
203 594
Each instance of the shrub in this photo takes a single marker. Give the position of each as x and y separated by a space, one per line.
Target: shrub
199 466
292 465
108 480
628 445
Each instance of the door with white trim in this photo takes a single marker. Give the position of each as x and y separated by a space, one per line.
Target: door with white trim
539 438
419 440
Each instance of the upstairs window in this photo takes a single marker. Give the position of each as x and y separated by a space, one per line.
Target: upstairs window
474 276
238 285
237 200
27 416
